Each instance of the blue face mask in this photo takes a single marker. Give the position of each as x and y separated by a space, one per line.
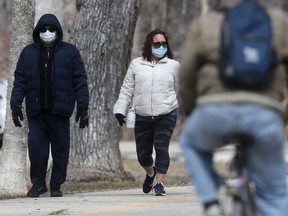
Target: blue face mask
159 52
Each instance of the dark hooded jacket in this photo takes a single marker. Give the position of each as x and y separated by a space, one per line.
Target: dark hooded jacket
68 76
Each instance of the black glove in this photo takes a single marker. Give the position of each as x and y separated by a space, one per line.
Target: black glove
120 118
82 114
16 115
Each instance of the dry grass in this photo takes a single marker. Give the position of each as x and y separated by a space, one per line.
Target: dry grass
176 176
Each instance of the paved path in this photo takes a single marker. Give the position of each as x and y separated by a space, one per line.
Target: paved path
180 201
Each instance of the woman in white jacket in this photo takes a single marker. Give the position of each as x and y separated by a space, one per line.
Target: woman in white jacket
149 88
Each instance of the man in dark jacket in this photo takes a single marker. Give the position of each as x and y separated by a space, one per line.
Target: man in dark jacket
50 75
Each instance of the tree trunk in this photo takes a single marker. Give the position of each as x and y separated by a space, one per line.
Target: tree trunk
69 12
14 155
5 15
65 12
103 32
5 33
43 7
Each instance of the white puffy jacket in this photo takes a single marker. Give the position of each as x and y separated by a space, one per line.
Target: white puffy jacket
152 86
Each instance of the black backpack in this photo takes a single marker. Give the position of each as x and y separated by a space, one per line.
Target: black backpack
247 56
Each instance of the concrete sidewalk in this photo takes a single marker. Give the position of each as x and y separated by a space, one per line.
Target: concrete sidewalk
179 200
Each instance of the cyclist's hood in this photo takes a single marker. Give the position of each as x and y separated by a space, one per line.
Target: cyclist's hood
47 19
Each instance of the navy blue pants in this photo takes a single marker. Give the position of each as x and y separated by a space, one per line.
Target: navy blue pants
48 129
154 132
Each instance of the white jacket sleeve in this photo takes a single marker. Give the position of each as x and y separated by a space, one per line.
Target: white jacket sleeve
126 92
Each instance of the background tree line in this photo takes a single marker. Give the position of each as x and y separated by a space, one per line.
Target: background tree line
107 34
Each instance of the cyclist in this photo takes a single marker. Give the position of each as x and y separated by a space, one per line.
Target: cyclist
213 113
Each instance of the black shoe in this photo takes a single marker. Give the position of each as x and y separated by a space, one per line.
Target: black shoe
158 189
56 193
36 191
148 183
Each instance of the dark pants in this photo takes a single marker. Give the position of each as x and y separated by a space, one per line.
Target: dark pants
45 129
155 132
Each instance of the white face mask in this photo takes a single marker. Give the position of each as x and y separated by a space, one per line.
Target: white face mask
48 37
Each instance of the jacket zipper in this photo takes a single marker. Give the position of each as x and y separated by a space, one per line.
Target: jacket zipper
152 111
46 77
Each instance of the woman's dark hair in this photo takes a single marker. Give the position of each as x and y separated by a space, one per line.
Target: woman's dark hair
147 47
